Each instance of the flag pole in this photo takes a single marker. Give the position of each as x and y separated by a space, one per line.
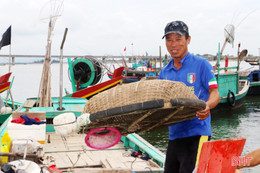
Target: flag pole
9 91
10 58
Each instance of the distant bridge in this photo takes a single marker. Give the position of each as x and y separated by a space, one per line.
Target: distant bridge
78 56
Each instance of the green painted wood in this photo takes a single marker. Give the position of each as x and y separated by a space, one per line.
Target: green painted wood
135 142
92 69
73 82
226 82
3 127
50 128
255 84
10 104
3 117
227 68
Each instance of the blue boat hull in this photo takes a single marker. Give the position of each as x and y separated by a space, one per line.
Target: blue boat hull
254 79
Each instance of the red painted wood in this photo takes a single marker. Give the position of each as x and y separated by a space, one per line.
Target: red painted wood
216 156
4 86
118 72
204 156
99 87
5 77
235 148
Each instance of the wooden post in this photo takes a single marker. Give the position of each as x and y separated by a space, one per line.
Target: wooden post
160 57
12 99
259 58
13 61
238 57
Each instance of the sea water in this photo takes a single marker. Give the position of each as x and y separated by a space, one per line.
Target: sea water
243 122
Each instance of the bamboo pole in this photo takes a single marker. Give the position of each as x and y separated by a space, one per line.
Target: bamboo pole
12 99
44 94
45 85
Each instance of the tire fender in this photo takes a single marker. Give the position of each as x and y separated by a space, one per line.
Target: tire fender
231 98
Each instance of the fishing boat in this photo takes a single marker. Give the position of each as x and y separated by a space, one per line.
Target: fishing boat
85 74
254 79
73 153
6 107
254 63
141 72
39 148
6 111
251 60
4 82
253 75
232 89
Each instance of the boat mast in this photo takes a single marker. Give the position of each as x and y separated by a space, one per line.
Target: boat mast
44 95
229 32
61 68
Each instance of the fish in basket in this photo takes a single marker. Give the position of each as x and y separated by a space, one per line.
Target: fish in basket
142 106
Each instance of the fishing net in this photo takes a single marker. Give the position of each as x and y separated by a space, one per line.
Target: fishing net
229 33
102 138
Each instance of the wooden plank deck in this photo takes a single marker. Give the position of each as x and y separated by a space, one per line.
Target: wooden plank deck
72 152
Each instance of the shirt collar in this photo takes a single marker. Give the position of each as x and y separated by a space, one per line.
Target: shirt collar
183 60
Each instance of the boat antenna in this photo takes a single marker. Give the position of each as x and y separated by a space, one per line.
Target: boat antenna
245 18
61 68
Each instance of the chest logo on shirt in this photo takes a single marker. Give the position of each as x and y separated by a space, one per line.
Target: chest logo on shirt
191 78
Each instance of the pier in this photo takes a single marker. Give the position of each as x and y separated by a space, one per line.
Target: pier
104 57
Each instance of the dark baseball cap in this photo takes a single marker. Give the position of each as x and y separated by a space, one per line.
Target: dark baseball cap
178 27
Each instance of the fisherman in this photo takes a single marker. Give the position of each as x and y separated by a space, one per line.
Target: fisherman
165 60
186 138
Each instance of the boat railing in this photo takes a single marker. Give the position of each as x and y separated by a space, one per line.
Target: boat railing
227 68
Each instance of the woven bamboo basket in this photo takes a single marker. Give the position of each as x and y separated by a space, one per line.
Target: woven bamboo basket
138 92
143 106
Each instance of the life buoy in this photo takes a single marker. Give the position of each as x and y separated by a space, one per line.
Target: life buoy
231 98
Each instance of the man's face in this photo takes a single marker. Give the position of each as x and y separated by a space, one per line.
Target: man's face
177 45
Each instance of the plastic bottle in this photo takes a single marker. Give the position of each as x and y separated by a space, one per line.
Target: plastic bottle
4 149
5 146
6 140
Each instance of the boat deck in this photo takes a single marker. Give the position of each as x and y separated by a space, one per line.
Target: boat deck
72 153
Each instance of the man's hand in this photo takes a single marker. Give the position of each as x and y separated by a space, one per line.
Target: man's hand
212 102
202 115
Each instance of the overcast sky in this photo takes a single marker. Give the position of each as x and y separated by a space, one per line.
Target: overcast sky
106 27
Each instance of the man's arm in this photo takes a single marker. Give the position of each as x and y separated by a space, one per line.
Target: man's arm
254 157
212 102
